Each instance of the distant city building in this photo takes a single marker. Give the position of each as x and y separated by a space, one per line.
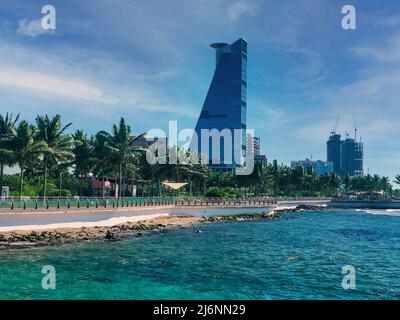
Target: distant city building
261 158
256 146
225 106
351 158
346 155
317 166
333 151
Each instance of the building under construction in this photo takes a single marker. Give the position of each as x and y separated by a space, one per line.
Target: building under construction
346 155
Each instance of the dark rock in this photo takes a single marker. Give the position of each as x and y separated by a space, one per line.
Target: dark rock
110 235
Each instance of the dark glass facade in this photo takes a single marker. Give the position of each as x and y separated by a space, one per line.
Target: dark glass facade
351 158
346 155
225 106
333 152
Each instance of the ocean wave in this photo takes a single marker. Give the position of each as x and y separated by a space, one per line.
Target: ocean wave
386 212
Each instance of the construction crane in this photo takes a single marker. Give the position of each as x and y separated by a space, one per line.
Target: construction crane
335 127
355 129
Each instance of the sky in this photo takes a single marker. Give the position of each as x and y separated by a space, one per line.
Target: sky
150 62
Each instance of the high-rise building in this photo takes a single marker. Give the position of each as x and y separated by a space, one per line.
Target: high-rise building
351 158
346 155
261 158
256 146
225 105
333 151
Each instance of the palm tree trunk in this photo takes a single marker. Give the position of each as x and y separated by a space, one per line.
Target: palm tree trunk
81 186
60 185
45 178
120 181
133 181
21 182
102 180
1 177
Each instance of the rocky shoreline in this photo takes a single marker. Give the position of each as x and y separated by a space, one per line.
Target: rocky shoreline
243 217
303 207
32 238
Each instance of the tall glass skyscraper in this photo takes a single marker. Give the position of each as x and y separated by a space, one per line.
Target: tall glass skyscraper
346 155
333 151
225 105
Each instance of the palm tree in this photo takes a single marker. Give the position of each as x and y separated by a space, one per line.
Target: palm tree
397 179
310 180
58 144
122 147
192 172
334 182
102 156
84 160
347 182
376 183
249 182
385 186
324 183
267 179
7 132
25 149
297 179
275 175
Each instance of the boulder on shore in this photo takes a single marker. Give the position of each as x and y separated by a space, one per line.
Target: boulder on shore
304 207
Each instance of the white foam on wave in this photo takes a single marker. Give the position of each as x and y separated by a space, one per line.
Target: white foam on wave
386 212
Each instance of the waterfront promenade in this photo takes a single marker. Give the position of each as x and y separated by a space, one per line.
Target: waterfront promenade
14 205
39 214
93 212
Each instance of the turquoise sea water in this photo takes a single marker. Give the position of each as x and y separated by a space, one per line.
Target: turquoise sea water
297 257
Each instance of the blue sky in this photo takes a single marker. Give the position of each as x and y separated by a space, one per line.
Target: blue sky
150 61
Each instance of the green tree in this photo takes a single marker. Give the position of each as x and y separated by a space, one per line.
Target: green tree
334 183
58 143
84 157
102 157
7 133
193 173
297 179
397 179
122 147
26 149
347 183
267 179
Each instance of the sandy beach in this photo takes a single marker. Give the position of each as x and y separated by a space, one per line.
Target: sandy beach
112 229
85 224
57 228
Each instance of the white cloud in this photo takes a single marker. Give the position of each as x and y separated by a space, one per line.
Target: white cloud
52 84
370 131
387 53
309 68
100 85
387 21
240 8
31 28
